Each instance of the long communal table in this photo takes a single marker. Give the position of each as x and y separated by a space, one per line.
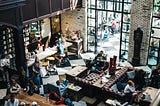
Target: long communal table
48 52
154 95
93 83
41 100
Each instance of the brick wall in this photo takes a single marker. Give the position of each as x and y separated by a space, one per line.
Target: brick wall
76 20
140 17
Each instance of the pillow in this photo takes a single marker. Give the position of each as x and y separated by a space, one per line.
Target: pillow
131 74
121 86
114 87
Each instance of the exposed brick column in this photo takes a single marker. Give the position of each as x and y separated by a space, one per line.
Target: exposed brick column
140 17
76 20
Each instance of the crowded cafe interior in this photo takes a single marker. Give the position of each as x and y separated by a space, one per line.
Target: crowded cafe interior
79 53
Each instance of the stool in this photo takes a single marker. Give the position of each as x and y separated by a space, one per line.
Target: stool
50 59
46 63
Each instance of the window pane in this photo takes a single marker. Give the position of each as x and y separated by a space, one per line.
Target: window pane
108 5
91 22
102 19
156 11
91 13
126 27
125 37
127 7
124 55
154 43
91 3
128 1
157 2
153 52
156 32
100 4
117 6
156 22
152 60
91 31
126 18
124 46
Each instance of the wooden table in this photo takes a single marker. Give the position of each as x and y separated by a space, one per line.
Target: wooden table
41 100
74 92
77 62
48 52
99 83
155 97
76 72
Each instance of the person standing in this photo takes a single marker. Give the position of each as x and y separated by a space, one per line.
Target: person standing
36 72
105 34
113 26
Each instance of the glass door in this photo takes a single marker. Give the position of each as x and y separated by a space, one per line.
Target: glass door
108 26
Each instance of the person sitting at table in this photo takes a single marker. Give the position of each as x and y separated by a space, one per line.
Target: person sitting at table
60 53
99 63
75 35
12 101
30 88
130 91
14 86
100 56
62 85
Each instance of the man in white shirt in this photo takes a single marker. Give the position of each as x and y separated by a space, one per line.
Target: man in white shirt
130 91
130 88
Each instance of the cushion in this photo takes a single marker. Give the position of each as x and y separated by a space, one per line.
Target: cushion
131 74
121 86
114 87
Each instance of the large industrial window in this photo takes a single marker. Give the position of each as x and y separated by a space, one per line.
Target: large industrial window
154 45
108 26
